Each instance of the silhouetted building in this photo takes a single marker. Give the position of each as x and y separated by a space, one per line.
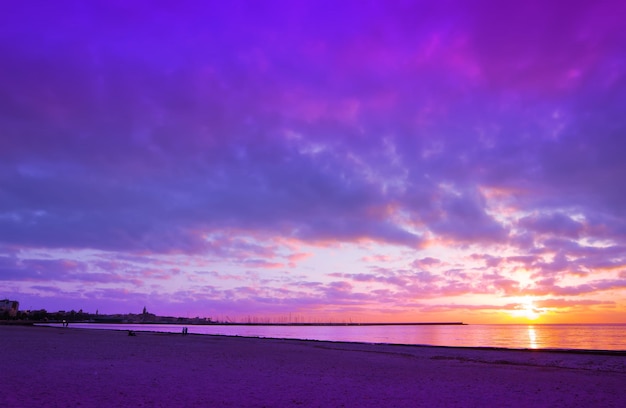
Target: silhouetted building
10 307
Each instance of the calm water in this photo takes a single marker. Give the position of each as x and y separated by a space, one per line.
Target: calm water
590 337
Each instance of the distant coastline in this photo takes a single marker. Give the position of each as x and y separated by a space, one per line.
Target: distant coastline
26 317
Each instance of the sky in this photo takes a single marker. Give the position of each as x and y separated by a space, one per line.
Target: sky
405 161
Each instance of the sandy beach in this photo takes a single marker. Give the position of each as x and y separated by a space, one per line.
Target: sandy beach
62 367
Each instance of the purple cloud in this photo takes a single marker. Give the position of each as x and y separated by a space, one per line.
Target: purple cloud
557 224
459 141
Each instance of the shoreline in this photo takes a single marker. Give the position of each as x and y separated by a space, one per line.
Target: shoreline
110 368
139 328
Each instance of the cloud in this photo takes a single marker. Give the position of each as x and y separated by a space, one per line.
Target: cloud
568 303
555 224
549 287
465 140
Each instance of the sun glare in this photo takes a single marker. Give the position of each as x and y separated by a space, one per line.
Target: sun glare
527 309
530 312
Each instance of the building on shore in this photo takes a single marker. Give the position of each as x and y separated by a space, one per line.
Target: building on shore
9 307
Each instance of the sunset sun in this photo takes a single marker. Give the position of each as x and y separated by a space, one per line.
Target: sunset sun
530 312
527 309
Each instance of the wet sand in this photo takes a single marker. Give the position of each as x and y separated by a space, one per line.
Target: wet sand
61 367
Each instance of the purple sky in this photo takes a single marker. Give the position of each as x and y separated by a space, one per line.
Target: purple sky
365 160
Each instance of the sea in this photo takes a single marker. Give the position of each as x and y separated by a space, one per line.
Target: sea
509 336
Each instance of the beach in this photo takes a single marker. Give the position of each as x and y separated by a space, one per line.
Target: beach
62 367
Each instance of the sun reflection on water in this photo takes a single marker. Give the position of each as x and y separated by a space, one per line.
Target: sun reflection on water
532 337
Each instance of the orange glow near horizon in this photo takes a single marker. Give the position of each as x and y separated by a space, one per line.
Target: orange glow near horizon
527 309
